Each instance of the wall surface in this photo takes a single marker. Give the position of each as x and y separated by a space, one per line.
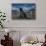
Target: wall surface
5 6
25 26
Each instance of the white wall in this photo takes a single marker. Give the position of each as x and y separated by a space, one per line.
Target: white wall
5 6
25 26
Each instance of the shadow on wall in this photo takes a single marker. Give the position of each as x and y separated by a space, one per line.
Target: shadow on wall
16 43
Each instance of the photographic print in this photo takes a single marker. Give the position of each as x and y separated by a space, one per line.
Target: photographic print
24 11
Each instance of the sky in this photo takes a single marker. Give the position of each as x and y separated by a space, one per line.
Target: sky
23 6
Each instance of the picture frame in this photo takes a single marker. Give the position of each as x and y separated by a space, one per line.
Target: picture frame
23 11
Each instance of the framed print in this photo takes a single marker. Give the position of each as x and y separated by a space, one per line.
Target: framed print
23 11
